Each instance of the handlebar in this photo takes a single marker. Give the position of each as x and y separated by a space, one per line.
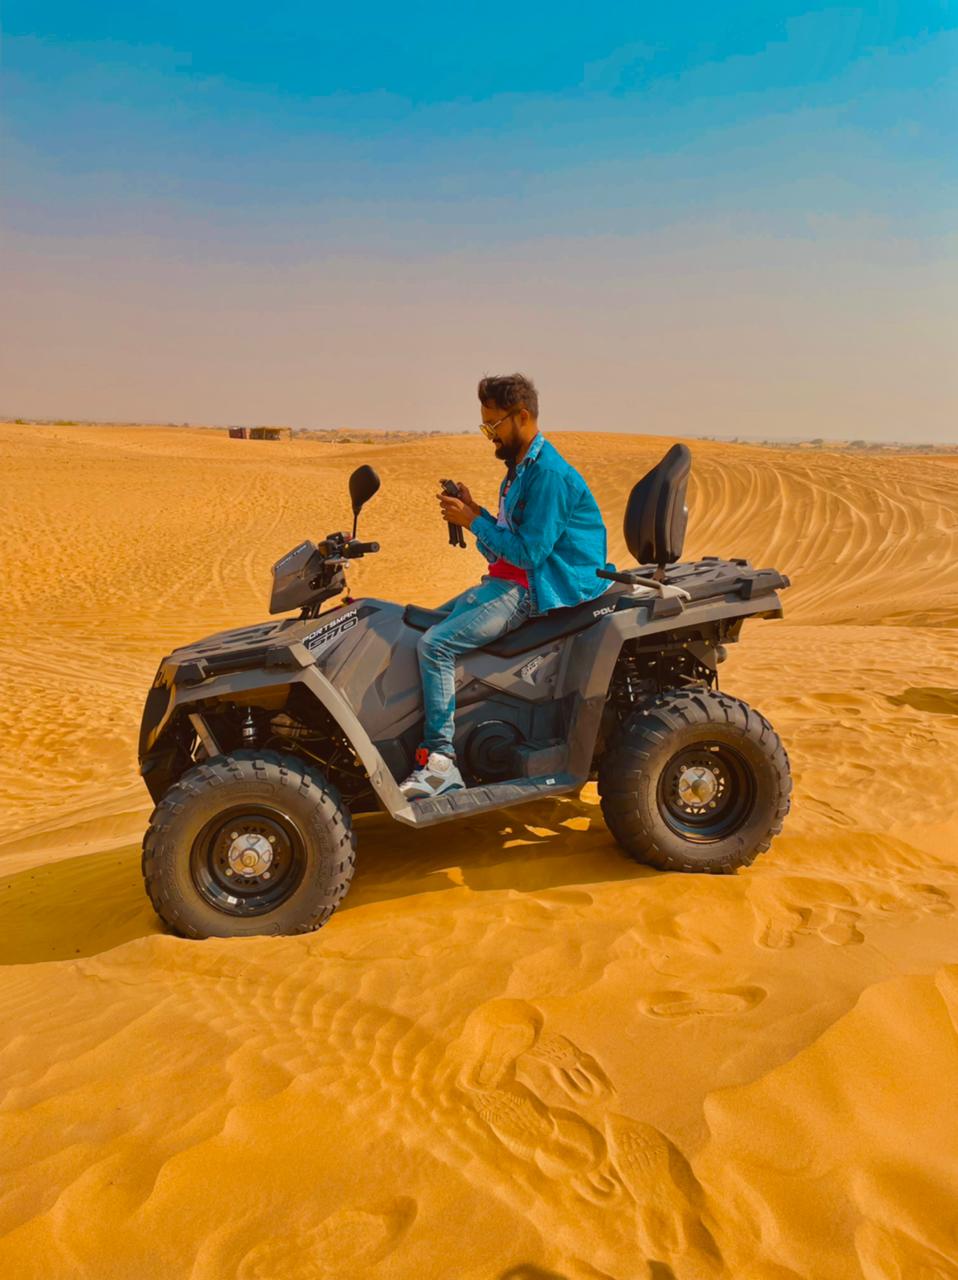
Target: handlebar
337 547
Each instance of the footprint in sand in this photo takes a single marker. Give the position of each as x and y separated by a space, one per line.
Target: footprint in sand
577 1073
779 931
839 926
692 1004
500 1032
500 1038
912 900
667 1195
842 929
779 923
560 1142
341 1247
494 1036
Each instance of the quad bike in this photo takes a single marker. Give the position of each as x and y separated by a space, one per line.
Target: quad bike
257 745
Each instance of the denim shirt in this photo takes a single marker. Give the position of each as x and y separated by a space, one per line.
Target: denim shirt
554 530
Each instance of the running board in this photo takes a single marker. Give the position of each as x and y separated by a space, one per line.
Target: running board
493 795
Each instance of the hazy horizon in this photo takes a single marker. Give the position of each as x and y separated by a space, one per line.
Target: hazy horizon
298 429
736 223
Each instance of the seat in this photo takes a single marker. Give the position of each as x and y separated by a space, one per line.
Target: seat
656 514
534 634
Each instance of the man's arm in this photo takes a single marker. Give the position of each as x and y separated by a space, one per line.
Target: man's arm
485 551
549 502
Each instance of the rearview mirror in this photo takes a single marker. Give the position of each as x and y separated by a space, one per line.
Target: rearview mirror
363 483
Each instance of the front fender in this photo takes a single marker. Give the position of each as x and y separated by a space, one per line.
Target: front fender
170 687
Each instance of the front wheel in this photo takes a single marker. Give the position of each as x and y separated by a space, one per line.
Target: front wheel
248 843
695 781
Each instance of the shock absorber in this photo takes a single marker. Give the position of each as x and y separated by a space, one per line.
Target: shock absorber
248 730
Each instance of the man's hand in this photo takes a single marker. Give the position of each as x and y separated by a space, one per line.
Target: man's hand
455 511
468 499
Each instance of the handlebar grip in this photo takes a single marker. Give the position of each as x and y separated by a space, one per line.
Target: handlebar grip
364 548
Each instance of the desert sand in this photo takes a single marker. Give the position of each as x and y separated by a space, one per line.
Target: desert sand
512 1053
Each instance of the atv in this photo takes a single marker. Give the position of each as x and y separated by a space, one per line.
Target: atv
259 744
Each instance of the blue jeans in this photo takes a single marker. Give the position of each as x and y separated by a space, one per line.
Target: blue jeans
479 615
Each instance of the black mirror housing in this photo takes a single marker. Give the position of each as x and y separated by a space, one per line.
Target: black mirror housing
363 483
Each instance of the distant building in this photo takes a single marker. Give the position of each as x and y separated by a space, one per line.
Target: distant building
260 433
270 433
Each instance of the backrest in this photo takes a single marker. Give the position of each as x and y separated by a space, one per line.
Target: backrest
656 514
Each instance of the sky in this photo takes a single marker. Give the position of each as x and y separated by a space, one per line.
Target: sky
729 219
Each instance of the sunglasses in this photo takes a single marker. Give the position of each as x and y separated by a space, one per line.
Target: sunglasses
488 429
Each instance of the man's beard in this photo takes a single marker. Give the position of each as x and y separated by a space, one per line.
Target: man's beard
507 453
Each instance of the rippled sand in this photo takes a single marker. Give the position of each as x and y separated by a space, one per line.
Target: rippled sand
512 1053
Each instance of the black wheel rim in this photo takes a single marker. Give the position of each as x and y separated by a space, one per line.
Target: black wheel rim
706 792
248 860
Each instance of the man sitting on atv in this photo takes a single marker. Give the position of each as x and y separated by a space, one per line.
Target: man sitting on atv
543 549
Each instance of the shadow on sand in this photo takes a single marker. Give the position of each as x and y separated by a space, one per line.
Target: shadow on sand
82 906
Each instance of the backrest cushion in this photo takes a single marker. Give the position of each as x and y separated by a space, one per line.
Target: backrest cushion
656 515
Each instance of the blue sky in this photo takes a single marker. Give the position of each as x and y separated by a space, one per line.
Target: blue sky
734 218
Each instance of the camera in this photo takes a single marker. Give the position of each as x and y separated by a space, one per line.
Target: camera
456 536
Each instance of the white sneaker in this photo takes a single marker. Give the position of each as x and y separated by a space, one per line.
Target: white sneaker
438 775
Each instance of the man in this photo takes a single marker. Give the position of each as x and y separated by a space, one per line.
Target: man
543 549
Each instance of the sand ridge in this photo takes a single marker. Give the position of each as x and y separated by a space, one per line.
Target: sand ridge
512 1053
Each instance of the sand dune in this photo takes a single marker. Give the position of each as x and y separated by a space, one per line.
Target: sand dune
512 1053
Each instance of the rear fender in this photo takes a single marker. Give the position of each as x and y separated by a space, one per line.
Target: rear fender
589 661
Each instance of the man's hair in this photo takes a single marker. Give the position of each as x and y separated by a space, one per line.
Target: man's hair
509 391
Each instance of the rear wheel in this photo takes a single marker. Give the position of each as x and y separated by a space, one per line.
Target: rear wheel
695 781
249 843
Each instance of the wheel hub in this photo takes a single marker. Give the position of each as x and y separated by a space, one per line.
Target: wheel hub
249 854
697 785
706 791
248 860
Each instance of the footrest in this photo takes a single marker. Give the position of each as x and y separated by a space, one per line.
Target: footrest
492 795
